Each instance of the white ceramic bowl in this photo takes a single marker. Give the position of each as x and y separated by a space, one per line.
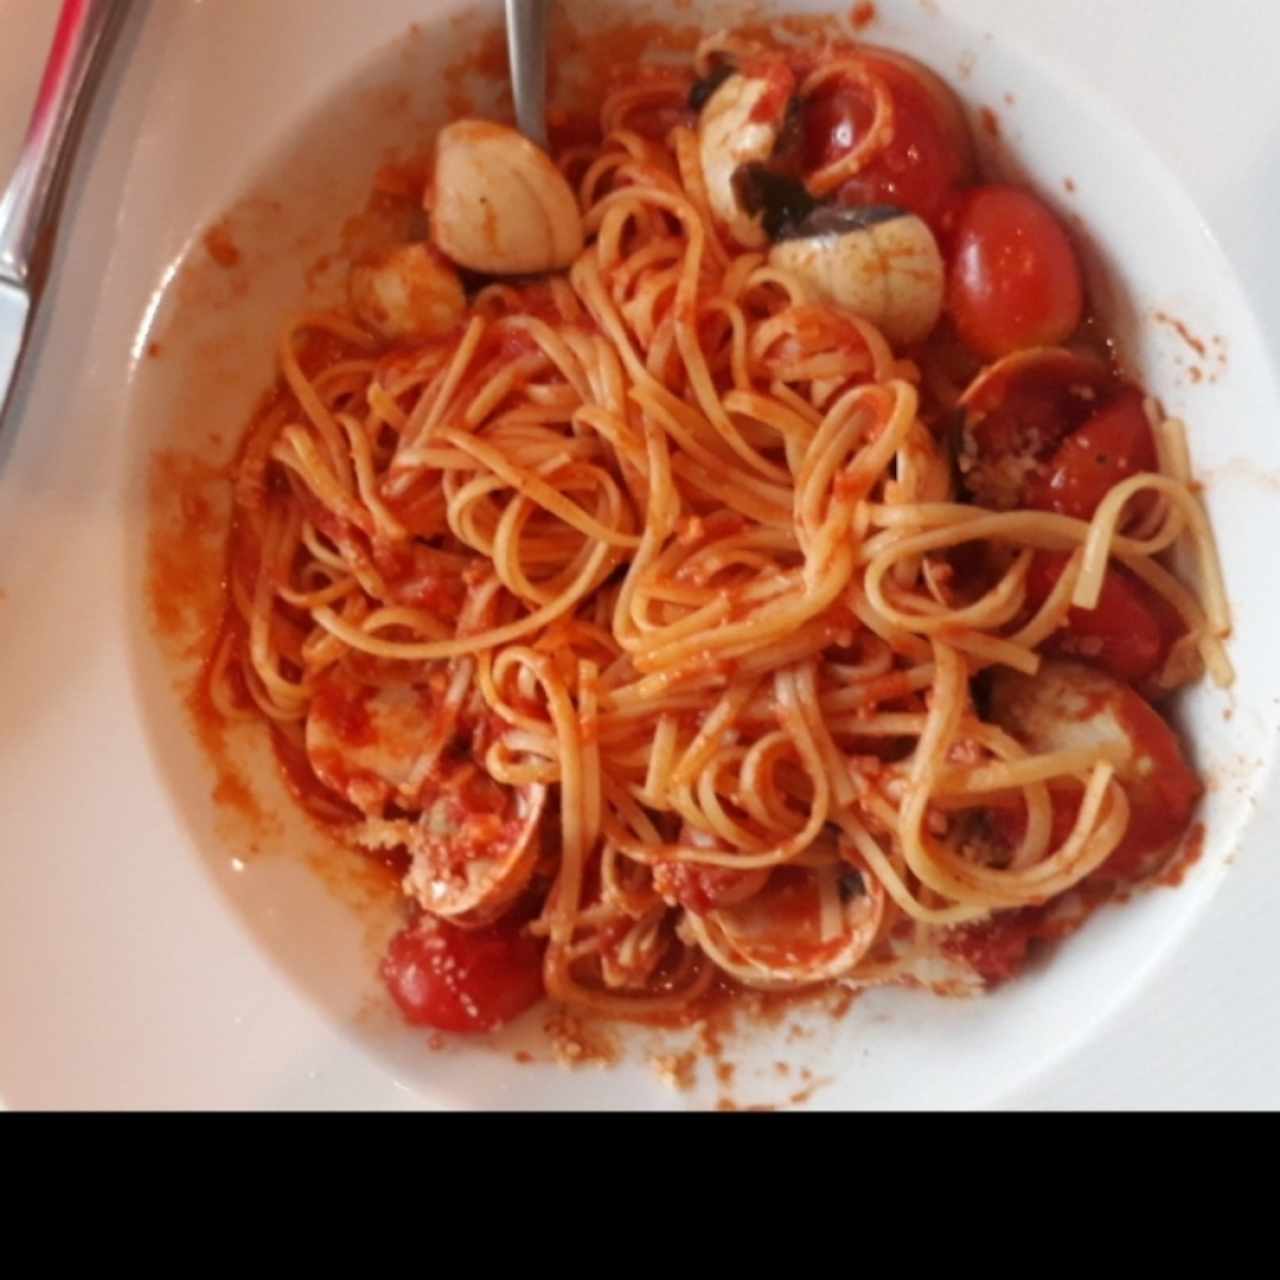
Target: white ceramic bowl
150 956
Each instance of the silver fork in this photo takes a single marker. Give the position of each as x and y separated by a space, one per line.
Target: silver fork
527 55
32 201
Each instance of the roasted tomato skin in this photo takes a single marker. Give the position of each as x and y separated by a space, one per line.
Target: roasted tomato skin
1070 705
1017 413
1014 280
1113 445
1129 633
930 153
463 980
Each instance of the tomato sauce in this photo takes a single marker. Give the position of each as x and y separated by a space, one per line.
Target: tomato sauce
437 592
699 888
999 949
862 15
318 349
1185 859
345 710
780 86
221 246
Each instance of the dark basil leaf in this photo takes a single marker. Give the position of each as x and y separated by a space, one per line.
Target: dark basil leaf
829 219
783 201
702 90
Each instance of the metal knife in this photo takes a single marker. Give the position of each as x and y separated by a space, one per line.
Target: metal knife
32 201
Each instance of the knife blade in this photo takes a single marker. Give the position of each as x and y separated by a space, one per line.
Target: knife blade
15 310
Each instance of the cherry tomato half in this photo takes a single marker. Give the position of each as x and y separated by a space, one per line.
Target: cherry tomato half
463 979
1162 797
928 156
1113 445
1163 789
1069 704
1014 279
1130 632
1017 413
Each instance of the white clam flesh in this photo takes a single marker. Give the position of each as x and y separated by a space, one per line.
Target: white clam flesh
499 205
475 848
1069 706
739 126
364 743
880 263
406 293
807 925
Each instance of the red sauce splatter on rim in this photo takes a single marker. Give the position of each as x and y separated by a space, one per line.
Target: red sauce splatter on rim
1187 856
863 15
222 248
184 553
1180 328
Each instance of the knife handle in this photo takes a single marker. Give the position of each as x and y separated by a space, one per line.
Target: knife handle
30 204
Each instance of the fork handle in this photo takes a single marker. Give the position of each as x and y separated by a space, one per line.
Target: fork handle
527 54
30 204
